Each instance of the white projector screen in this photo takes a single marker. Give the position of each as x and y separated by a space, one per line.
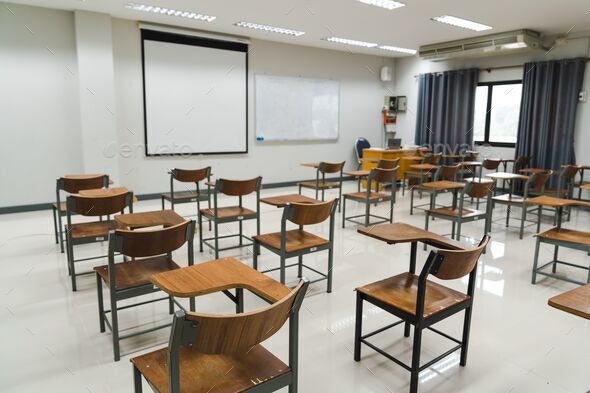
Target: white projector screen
195 95
290 108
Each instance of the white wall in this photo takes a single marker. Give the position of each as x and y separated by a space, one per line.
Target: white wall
360 104
406 84
39 115
55 121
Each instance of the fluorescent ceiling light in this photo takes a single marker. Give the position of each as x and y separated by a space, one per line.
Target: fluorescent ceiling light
463 23
387 4
346 41
270 29
515 45
169 11
398 49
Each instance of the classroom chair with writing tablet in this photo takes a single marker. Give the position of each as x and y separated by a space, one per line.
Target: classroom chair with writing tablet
377 177
413 177
223 353
320 183
444 172
72 185
150 252
94 231
190 190
226 214
297 242
421 302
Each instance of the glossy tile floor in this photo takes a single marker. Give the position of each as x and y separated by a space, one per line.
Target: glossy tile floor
51 340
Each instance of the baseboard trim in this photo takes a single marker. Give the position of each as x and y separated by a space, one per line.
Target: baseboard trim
146 197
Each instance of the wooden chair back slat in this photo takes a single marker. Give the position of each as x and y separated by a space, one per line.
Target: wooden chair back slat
148 243
237 333
310 213
537 181
238 187
458 263
331 167
384 176
99 206
388 164
479 190
432 158
448 172
521 163
75 185
491 164
191 175
568 172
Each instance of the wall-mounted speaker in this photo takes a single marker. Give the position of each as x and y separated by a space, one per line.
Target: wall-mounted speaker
386 74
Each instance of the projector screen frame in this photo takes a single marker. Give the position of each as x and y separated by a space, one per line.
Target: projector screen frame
192 40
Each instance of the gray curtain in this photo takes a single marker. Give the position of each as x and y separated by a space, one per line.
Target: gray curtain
548 112
446 103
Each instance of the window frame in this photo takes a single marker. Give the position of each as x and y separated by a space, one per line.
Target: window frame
486 140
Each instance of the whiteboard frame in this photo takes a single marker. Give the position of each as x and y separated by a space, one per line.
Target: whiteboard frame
295 140
191 40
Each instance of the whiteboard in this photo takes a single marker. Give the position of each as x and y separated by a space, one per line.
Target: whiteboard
291 108
195 95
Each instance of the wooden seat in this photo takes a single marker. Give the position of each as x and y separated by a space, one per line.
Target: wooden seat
222 353
223 373
136 273
295 240
151 253
183 195
299 242
448 211
92 229
420 302
566 235
401 292
373 196
229 212
320 185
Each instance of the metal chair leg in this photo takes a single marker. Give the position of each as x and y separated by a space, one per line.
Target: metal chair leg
100 303
344 212
282 269
115 327
330 268
300 266
170 305
416 359
358 327
200 233
163 207
137 388
216 240
412 201
465 340
555 252
55 225
256 252
535 262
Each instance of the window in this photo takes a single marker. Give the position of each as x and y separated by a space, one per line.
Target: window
497 110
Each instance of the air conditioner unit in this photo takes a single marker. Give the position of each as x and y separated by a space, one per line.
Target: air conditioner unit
487 45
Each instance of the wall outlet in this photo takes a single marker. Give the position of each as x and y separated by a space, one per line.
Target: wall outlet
583 96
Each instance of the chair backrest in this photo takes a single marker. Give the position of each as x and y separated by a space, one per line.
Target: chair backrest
94 206
447 172
521 163
238 187
331 167
432 158
388 164
537 181
471 156
476 189
383 176
238 333
190 175
140 243
568 173
309 213
456 264
359 145
74 185
491 163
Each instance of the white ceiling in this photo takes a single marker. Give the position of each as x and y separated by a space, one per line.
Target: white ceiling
407 27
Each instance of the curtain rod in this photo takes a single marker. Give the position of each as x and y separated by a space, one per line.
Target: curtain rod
490 69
